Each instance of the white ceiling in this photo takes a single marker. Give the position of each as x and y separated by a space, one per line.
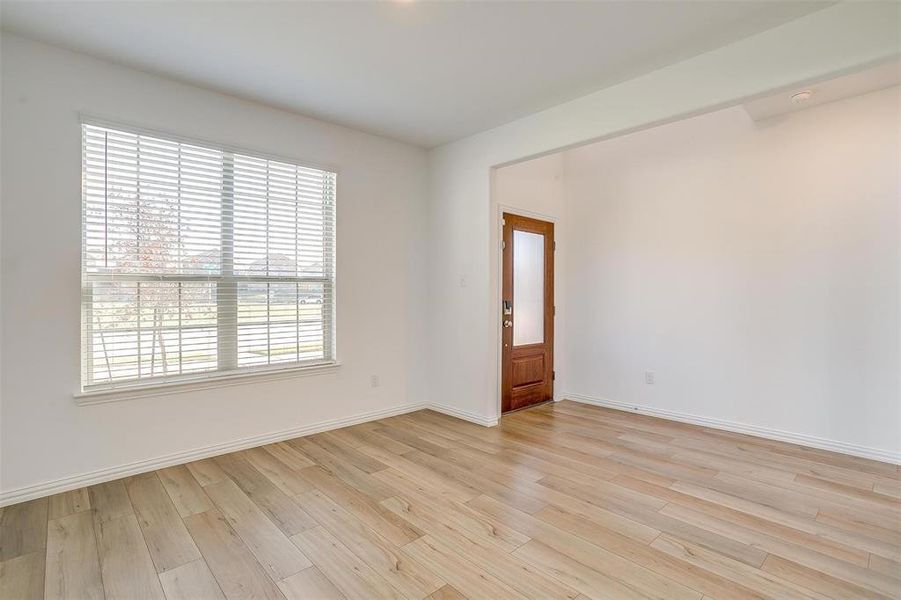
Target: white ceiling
422 72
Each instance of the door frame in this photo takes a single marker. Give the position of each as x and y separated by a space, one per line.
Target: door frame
499 291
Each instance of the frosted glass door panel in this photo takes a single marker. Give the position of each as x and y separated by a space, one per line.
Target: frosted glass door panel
528 288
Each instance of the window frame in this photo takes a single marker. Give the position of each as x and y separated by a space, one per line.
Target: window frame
231 374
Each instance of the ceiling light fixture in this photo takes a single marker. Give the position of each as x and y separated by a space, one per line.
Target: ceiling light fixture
801 97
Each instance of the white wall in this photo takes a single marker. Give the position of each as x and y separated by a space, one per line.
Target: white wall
752 265
380 287
463 241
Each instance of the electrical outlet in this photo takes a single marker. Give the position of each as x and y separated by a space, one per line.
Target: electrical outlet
649 377
374 381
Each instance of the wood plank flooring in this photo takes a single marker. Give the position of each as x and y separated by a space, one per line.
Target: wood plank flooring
561 501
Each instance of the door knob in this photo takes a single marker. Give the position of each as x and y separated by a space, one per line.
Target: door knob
508 323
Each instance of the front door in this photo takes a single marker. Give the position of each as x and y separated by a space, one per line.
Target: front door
527 312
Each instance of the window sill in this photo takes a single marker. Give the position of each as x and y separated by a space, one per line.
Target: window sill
205 383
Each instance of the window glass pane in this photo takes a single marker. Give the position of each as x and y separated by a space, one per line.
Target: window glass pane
315 307
280 322
146 330
528 288
282 218
151 206
253 331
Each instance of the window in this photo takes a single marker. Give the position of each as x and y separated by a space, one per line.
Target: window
200 261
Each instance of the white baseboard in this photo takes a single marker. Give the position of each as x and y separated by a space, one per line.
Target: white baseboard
77 481
764 432
94 477
465 415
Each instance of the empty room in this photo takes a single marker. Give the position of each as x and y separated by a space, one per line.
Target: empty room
450 300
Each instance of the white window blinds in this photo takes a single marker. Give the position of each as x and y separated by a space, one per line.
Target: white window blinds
199 261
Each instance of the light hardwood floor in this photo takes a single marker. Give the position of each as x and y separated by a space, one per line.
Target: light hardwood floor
561 501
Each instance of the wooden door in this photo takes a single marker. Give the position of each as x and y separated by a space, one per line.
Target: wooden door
527 312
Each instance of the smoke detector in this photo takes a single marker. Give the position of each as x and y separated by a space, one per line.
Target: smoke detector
801 97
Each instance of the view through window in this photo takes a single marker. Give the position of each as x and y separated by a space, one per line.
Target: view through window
200 261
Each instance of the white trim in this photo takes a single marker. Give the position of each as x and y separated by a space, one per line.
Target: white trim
73 482
521 212
102 475
216 380
464 415
65 484
800 439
